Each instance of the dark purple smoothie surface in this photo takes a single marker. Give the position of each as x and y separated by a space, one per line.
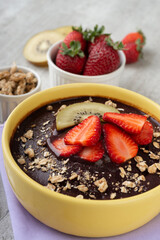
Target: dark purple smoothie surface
76 177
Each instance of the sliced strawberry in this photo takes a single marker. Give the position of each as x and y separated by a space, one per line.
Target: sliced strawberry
130 122
145 136
92 153
119 145
87 133
59 147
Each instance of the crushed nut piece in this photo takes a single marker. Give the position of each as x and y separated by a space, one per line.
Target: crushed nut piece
113 195
140 189
156 134
79 196
156 145
82 188
45 123
43 161
129 184
29 152
129 168
40 143
49 108
56 178
101 184
154 156
141 178
87 175
110 103
46 154
73 176
21 160
138 159
23 139
50 186
123 189
142 166
68 186
66 161
28 134
157 165
145 150
152 169
122 172
92 196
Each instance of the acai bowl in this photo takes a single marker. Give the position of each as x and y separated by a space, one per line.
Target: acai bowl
71 214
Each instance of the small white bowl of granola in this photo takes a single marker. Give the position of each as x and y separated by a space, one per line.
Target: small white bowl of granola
16 84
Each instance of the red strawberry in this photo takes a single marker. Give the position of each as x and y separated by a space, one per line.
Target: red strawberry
119 145
92 153
145 136
94 36
59 147
71 59
102 59
134 36
97 39
130 122
87 133
76 35
132 51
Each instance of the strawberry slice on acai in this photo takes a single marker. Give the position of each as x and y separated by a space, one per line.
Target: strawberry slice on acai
119 145
130 122
86 133
92 153
59 147
145 136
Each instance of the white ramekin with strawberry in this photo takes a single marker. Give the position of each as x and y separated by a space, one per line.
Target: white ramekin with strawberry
86 56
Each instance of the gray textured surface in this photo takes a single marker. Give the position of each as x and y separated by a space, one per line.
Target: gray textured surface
22 19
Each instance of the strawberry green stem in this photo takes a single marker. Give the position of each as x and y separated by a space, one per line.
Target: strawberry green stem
116 45
73 50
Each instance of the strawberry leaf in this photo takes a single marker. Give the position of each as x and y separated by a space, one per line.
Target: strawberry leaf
144 37
73 50
91 34
116 45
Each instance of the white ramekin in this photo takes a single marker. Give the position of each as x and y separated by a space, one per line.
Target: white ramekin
58 76
9 102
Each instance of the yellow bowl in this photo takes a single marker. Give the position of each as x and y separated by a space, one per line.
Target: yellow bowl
82 217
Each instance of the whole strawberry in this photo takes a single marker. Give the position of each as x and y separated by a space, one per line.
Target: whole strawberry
132 51
95 36
103 58
76 35
134 36
133 45
71 59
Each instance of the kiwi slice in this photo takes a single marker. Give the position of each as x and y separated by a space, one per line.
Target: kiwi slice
77 112
36 48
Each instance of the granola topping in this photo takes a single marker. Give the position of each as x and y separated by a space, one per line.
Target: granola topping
101 184
16 82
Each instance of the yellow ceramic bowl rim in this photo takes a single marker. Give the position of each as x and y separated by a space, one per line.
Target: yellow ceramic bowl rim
52 194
